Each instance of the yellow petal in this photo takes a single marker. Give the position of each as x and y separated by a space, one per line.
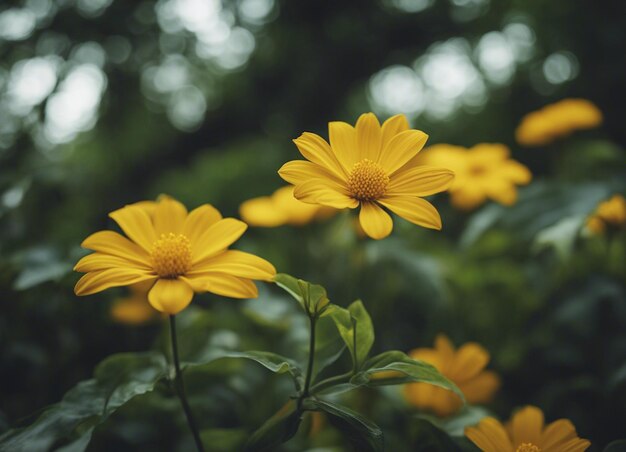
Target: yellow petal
110 242
132 311
415 210
375 221
420 181
217 237
481 388
315 149
101 261
262 212
199 220
325 193
557 433
467 197
236 263
468 361
94 282
300 171
343 143
170 296
137 225
169 216
402 148
297 213
225 285
489 153
526 425
501 191
516 172
393 126
573 445
368 137
489 436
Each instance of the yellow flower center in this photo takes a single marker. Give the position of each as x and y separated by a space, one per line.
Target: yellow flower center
171 255
477 170
367 181
527 447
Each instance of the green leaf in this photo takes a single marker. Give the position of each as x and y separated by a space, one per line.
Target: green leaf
364 331
400 369
362 433
455 425
329 345
312 297
616 446
344 322
271 361
117 380
278 429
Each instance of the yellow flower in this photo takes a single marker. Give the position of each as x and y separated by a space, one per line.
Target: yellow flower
481 172
610 213
526 433
281 208
178 252
135 308
464 367
368 166
557 120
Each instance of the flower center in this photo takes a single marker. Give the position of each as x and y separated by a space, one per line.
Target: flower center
367 181
171 255
527 447
477 170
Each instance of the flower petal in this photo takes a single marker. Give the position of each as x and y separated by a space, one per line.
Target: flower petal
300 171
516 172
223 284
481 388
217 237
393 126
324 193
402 148
415 210
170 295
467 197
94 282
169 216
375 221
368 137
199 220
101 261
315 149
420 181
573 445
262 212
236 263
343 142
489 436
137 225
110 242
526 425
468 361
556 433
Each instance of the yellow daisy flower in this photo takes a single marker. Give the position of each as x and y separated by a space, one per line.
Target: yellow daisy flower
482 172
282 208
465 367
134 309
178 252
526 433
557 120
611 213
366 166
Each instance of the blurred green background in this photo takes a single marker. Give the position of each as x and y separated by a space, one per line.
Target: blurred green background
108 102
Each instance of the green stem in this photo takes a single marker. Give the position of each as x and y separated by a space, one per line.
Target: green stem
309 369
180 386
331 381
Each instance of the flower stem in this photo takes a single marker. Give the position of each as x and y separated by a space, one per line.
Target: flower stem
332 381
180 386
309 369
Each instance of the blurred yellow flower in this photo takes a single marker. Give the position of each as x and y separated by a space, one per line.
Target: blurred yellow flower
366 166
610 213
557 120
464 367
481 172
134 309
526 433
177 252
281 208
